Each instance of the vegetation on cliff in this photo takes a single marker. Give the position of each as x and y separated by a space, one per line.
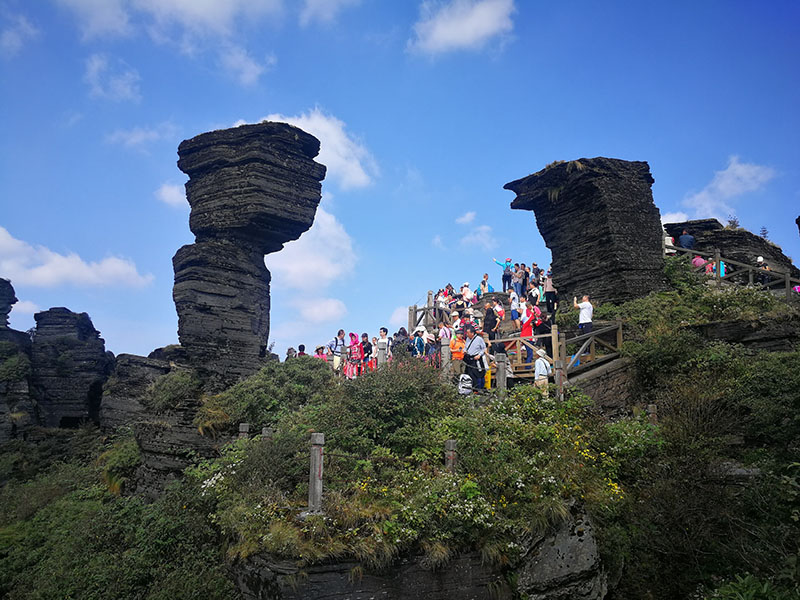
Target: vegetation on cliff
703 504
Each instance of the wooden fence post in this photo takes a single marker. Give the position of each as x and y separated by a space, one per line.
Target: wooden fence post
562 346
450 455
244 430
315 473
652 413
412 318
266 433
429 324
554 334
502 363
446 360
560 377
717 267
619 335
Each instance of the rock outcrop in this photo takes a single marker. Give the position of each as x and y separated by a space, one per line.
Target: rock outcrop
124 390
70 365
598 218
563 565
735 244
251 189
17 409
797 220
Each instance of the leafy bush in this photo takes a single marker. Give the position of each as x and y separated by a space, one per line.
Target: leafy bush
15 368
173 390
259 398
752 588
119 462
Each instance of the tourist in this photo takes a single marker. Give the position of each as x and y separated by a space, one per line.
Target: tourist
367 346
335 348
490 321
669 244
401 343
506 266
466 293
541 372
550 293
528 319
516 280
533 293
536 274
455 320
514 298
763 275
699 262
483 286
320 353
457 354
586 310
418 342
290 353
301 350
474 350
499 310
686 240
384 346
445 333
544 329
355 355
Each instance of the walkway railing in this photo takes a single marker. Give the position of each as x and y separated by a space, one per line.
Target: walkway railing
770 279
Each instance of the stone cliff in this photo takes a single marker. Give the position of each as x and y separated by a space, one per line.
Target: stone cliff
69 367
598 218
251 189
17 409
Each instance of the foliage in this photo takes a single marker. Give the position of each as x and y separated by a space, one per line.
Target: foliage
173 390
259 398
752 588
15 368
7 349
120 461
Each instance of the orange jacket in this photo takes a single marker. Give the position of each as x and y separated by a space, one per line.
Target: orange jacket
457 349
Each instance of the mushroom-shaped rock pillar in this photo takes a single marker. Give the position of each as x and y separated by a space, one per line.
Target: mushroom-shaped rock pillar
251 189
598 218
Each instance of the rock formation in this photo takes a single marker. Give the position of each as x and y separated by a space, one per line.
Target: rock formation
797 220
70 365
251 189
598 218
125 388
17 409
736 244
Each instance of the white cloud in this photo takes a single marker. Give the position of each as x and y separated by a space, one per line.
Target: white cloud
323 11
25 307
172 195
460 24
323 310
100 17
323 254
39 266
112 82
399 317
481 237
437 242
348 160
243 67
735 180
208 16
466 218
14 36
139 137
674 217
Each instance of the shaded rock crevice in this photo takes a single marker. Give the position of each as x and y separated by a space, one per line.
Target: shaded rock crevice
598 218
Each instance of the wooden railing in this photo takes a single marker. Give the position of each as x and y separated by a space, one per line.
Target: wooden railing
769 279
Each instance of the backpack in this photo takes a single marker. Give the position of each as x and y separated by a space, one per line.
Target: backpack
464 384
507 270
537 318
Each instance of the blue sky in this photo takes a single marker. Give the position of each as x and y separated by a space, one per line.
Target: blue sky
424 111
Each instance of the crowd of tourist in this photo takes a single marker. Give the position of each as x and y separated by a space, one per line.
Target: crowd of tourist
468 322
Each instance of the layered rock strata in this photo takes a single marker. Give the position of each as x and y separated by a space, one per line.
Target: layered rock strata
598 218
70 365
735 244
251 189
124 390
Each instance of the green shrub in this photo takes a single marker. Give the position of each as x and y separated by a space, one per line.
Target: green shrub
752 588
173 390
259 399
120 461
15 368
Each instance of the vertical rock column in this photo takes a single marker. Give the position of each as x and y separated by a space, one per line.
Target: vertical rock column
251 189
598 218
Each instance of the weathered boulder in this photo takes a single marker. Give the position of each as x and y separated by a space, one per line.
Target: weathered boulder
735 244
7 299
772 335
70 366
169 442
598 218
564 566
124 390
260 577
251 189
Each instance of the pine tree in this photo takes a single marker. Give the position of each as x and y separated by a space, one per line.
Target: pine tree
764 233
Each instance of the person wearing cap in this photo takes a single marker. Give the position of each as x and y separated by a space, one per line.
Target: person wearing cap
474 349
466 293
541 371
763 278
506 266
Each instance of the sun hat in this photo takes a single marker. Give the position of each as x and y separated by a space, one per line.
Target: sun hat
541 353
760 259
